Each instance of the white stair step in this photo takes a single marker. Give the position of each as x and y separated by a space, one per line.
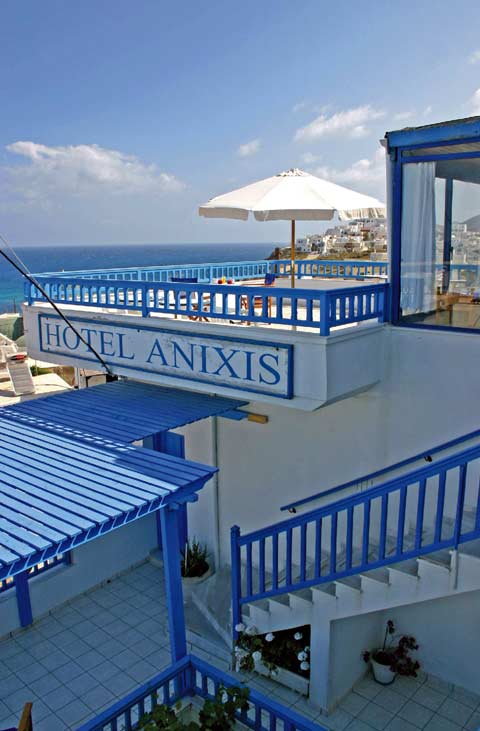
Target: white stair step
375 582
259 613
404 575
281 602
324 594
442 559
349 588
380 576
301 599
471 548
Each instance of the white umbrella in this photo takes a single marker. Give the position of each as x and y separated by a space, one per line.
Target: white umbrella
293 196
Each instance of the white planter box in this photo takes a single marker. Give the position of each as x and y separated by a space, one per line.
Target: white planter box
285 677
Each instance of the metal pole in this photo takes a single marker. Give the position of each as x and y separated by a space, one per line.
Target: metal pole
292 254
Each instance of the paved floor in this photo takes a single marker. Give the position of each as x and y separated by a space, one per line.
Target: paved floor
91 652
407 705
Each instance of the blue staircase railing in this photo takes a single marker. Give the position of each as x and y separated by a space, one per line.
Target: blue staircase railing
431 508
310 308
194 677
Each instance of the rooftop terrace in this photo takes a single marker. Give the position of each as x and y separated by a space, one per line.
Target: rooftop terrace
328 294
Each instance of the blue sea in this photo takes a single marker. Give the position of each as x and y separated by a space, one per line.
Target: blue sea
58 258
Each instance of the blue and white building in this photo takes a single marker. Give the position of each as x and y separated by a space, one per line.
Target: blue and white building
323 441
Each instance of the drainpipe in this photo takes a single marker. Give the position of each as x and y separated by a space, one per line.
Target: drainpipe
216 493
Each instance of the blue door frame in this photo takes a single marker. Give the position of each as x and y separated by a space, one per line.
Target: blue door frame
170 443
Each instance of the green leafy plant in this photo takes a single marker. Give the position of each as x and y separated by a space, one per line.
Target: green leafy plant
216 715
287 649
395 652
194 559
219 714
161 718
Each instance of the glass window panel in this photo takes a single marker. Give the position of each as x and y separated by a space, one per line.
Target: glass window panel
440 262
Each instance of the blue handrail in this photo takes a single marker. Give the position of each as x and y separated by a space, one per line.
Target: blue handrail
192 676
239 270
425 454
421 512
310 308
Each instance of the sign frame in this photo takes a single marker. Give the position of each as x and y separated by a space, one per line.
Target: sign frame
285 347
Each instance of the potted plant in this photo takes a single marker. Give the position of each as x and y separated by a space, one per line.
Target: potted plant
216 715
393 658
194 566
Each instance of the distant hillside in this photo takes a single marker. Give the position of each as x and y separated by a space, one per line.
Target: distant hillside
473 223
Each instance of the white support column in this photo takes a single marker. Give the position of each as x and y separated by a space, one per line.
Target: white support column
319 662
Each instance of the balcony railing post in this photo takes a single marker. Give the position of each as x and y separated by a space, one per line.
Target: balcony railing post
324 314
145 303
236 578
462 481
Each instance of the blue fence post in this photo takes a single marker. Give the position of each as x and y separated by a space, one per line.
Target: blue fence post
236 578
324 314
460 504
173 582
23 599
145 306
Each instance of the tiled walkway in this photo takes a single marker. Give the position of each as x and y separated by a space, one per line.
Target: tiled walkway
90 653
407 705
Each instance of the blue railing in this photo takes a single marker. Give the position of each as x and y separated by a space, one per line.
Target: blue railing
240 270
319 309
194 677
426 454
428 509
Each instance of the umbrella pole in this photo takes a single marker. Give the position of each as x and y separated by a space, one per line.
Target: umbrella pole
292 254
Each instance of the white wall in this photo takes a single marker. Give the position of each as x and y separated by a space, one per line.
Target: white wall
199 447
348 639
446 631
93 563
429 395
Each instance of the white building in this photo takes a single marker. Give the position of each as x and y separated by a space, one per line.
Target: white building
343 426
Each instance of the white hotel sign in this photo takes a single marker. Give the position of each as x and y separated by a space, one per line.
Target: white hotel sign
238 363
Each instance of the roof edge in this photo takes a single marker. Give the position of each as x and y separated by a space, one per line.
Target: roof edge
454 129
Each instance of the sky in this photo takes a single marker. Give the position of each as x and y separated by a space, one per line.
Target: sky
118 119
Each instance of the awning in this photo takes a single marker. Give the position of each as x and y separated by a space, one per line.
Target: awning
57 492
122 410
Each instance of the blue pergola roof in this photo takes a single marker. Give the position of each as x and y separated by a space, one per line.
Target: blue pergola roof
57 492
122 410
